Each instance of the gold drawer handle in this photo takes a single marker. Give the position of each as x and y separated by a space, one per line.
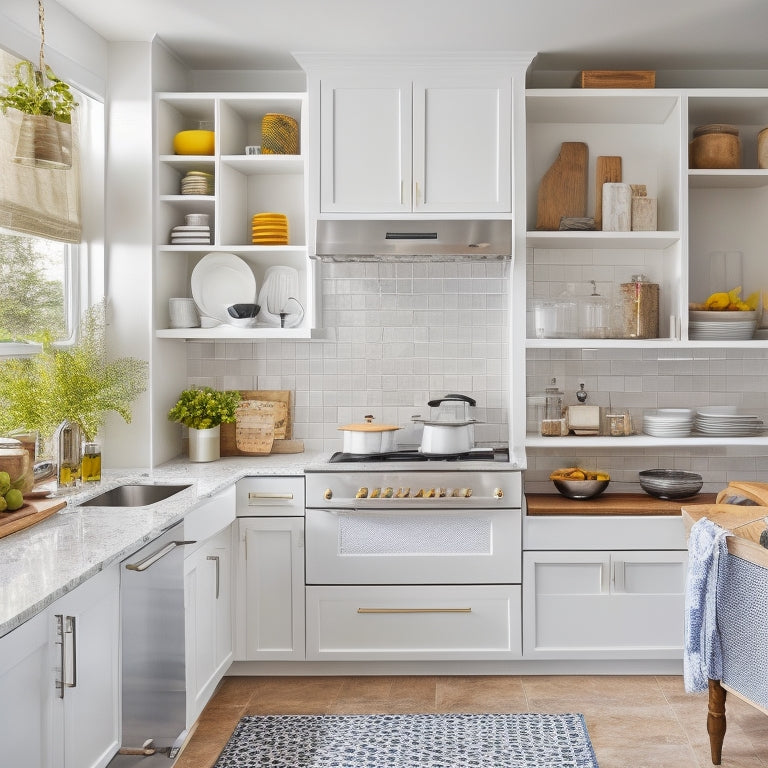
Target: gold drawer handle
260 495
414 610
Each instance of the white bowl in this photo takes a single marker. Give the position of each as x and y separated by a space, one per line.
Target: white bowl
196 219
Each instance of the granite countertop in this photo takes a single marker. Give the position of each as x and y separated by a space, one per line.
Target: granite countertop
41 563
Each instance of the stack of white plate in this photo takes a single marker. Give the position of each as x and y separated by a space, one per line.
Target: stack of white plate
721 326
197 183
191 235
726 421
668 422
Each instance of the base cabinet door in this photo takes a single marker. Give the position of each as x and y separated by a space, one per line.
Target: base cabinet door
600 604
271 579
409 623
208 616
26 694
60 681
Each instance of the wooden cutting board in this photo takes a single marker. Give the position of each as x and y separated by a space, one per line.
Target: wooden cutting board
563 190
254 431
33 511
607 171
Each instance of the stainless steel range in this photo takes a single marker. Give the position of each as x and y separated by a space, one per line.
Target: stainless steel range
409 557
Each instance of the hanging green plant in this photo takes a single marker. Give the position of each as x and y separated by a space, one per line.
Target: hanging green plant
78 383
39 92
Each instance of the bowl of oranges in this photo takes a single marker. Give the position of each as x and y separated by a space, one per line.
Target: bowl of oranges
577 483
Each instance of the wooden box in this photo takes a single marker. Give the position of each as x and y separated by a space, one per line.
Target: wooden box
609 78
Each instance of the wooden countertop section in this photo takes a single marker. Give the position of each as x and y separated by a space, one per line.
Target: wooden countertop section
746 523
610 504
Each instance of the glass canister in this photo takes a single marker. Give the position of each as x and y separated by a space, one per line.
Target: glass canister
595 315
639 309
553 421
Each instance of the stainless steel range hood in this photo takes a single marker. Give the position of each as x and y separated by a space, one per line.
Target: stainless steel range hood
413 240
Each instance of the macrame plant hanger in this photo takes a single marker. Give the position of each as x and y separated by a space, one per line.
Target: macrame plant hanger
44 142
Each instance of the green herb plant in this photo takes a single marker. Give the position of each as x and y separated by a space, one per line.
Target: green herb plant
205 407
77 383
34 93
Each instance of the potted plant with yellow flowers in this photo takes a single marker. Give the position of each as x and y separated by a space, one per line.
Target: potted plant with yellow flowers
203 410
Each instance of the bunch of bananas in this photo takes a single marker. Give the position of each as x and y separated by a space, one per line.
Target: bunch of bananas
576 473
729 301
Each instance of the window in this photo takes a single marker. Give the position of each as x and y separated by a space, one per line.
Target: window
42 279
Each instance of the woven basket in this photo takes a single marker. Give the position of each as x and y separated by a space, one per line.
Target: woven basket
279 135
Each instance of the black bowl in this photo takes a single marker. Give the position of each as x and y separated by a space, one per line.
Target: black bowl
670 483
243 311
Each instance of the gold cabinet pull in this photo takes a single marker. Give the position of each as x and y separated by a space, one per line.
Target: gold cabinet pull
414 610
260 495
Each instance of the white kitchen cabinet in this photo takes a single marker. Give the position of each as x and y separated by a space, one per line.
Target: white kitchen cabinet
603 604
44 724
270 569
243 186
208 615
435 143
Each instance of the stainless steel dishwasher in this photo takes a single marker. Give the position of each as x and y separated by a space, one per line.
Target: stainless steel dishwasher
153 653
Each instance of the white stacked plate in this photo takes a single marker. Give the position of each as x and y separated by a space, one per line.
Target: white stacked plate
191 235
721 326
668 422
726 421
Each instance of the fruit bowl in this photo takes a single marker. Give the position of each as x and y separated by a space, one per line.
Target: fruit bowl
581 489
670 483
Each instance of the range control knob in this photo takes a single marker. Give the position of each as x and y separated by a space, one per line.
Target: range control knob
498 493
327 494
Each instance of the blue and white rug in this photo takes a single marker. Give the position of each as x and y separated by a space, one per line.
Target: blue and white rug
410 741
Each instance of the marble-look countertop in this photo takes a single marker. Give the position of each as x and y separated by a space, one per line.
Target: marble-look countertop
45 561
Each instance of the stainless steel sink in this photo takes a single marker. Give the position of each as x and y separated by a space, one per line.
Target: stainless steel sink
134 495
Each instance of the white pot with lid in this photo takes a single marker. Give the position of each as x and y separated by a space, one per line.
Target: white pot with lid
451 431
368 437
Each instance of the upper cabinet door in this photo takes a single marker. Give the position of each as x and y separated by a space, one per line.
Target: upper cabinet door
462 144
365 137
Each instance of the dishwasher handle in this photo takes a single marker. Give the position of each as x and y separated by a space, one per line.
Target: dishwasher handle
150 560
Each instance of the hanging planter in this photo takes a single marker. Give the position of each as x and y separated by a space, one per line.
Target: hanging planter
44 142
46 104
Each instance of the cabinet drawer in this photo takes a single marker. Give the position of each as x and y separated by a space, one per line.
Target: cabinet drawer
413 622
270 497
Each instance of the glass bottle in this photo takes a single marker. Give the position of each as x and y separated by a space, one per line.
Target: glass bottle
68 442
91 463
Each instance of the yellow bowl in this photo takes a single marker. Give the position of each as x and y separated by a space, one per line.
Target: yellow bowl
194 143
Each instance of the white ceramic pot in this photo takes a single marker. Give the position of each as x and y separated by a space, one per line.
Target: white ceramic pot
447 439
368 437
204 444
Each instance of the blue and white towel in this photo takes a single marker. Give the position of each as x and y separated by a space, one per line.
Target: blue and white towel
702 658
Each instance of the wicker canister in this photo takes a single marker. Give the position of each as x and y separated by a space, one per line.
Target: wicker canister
762 148
715 146
279 135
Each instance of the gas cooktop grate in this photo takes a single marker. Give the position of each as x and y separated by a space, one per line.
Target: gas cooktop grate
476 454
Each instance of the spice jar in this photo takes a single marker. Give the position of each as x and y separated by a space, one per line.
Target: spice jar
762 148
715 146
639 309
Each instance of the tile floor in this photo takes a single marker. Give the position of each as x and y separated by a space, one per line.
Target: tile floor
633 721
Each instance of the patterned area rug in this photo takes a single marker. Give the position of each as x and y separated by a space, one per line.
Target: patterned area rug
410 741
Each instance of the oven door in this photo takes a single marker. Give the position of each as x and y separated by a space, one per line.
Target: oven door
413 546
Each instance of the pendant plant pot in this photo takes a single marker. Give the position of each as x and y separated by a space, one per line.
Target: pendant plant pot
44 142
204 444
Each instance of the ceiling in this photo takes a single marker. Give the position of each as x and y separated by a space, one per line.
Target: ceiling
567 34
